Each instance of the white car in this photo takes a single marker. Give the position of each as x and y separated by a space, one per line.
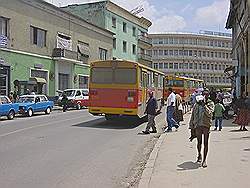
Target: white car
77 98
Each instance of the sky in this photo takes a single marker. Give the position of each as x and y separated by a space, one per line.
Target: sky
174 15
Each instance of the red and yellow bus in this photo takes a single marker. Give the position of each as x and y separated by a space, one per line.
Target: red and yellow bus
120 87
182 85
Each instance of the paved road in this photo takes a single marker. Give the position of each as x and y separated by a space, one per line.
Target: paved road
72 149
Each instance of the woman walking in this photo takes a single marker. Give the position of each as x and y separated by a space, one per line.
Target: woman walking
243 112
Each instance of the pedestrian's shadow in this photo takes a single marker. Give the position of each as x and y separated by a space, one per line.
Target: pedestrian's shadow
189 165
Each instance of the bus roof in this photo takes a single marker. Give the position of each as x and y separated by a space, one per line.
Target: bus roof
136 63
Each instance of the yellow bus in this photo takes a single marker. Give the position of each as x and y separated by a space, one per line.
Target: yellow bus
119 88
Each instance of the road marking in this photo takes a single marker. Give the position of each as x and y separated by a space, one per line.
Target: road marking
37 126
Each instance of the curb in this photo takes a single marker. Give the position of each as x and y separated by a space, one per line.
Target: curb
149 168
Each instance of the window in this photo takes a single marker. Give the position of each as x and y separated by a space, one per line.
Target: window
181 65
63 81
171 52
4 26
102 75
199 54
171 65
200 66
114 43
190 53
190 65
155 65
208 66
165 65
160 52
212 66
125 76
160 65
113 22
38 36
166 40
215 54
219 54
103 53
215 67
227 56
180 52
175 41
204 66
195 66
155 52
176 52
185 52
223 55
204 53
134 31
83 82
124 27
220 67
195 53
212 54
171 40
134 49
175 65
160 41
165 52
124 46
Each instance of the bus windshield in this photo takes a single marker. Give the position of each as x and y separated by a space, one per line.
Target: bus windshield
175 83
116 76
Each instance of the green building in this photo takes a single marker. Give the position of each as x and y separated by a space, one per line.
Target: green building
130 40
44 48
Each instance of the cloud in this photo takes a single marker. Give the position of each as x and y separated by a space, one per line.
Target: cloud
168 23
212 15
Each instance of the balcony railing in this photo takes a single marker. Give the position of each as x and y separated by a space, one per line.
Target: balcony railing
59 52
145 39
145 57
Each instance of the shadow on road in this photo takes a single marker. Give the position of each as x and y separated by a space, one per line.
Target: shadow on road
189 165
123 123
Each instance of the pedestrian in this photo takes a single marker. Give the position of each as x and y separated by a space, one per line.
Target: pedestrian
200 123
11 97
64 102
218 114
170 111
213 94
15 97
151 110
178 113
243 112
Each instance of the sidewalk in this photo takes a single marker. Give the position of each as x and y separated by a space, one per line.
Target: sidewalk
172 162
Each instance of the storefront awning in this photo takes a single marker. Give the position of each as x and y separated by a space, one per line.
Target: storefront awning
38 80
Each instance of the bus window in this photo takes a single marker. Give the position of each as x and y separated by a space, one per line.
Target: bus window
155 80
102 75
178 83
125 76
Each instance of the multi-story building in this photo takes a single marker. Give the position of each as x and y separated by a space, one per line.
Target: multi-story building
45 49
130 40
203 56
238 20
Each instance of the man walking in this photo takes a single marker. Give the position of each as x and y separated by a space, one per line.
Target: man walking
200 122
151 112
170 111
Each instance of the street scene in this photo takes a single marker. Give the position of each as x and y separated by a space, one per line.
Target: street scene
114 94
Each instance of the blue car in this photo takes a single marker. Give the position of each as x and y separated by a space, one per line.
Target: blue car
7 108
29 104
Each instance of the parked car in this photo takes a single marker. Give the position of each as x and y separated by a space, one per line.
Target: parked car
29 104
77 98
7 108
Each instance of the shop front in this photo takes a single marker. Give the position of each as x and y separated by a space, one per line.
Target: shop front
4 78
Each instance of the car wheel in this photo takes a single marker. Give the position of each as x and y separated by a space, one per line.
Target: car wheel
11 115
30 112
48 110
78 106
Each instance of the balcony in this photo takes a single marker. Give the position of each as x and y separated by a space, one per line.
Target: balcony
145 41
145 59
63 53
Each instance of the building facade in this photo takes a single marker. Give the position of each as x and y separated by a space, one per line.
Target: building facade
47 48
130 40
203 56
238 20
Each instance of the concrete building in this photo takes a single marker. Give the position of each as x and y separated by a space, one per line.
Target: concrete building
238 20
47 48
205 55
130 40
